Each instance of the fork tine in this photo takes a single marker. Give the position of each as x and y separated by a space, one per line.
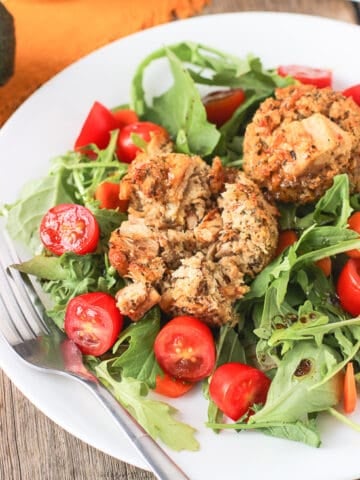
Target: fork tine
9 293
7 327
47 353
24 314
27 294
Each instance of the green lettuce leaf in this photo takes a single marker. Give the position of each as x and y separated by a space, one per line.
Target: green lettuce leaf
138 360
69 275
180 108
290 397
180 111
157 418
72 178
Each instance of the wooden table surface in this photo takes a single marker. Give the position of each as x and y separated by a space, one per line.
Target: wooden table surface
31 445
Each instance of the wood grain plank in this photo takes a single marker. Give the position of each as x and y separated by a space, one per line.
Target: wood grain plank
33 447
337 9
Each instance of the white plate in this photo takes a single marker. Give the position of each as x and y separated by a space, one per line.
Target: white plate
46 125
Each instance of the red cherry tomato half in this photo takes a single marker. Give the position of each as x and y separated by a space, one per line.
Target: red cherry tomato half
124 117
348 286
171 387
308 75
354 224
221 105
69 228
107 193
353 92
96 128
185 349
93 322
126 148
236 387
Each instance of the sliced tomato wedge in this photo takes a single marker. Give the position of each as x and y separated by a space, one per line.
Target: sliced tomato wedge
221 105
236 387
319 77
96 128
93 322
185 349
107 193
171 387
353 92
127 148
69 228
348 286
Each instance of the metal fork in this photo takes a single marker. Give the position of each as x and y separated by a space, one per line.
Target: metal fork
36 339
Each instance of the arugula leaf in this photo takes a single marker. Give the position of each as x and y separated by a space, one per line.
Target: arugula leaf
72 178
292 278
229 347
69 275
24 216
138 360
108 220
299 431
83 175
181 111
46 268
180 108
290 396
334 208
312 325
304 432
157 418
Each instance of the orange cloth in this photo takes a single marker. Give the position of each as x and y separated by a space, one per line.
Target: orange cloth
51 34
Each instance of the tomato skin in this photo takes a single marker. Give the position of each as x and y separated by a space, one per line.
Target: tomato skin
325 265
221 105
354 224
93 322
348 286
353 92
96 128
185 349
171 387
286 239
124 117
318 77
107 193
69 227
235 387
126 148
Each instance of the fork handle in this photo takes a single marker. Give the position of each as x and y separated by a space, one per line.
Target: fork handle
157 459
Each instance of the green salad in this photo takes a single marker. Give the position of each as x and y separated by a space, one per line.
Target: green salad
291 326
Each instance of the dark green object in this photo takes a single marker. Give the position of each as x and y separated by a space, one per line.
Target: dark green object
7 44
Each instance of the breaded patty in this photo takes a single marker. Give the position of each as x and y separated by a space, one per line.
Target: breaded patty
195 233
298 141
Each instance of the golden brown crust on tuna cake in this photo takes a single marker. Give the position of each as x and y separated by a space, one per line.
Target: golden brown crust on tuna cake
193 233
299 140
